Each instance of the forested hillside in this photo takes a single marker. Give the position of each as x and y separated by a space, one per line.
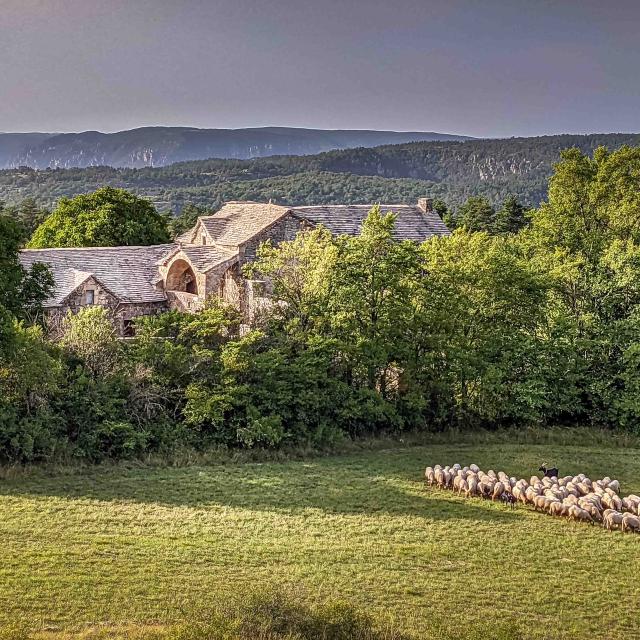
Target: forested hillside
161 146
14 144
528 325
449 170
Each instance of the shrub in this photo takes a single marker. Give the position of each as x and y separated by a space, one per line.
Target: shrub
119 439
278 615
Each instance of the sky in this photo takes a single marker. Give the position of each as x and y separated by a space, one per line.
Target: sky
487 68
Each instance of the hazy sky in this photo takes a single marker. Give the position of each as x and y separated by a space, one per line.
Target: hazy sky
479 67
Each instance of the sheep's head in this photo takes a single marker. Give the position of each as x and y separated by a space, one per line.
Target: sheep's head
543 467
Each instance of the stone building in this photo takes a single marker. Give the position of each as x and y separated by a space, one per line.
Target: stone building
205 261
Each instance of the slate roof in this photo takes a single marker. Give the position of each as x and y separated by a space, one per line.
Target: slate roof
131 273
204 257
128 272
238 222
412 223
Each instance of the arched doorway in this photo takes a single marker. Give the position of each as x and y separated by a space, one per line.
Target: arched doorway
181 277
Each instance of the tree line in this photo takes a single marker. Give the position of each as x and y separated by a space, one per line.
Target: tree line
452 171
532 317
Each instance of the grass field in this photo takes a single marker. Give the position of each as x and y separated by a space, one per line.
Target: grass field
120 549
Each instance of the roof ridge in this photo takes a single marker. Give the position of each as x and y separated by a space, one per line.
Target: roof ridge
215 245
371 205
119 247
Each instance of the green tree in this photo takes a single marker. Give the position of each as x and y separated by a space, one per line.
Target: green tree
476 214
28 371
106 217
186 219
300 275
510 218
21 292
371 305
91 337
587 236
29 214
478 333
31 375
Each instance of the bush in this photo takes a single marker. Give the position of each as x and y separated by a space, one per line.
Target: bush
119 440
278 615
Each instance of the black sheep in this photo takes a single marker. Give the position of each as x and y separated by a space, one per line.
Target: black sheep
508 499
549 473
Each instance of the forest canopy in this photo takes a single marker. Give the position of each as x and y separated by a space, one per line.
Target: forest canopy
452 171
505 324
106 218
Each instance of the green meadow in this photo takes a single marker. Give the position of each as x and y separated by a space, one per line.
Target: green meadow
116 551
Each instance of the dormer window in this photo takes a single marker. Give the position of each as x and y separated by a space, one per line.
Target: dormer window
89 296
203 239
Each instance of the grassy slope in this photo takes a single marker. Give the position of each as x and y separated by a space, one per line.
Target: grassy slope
141 546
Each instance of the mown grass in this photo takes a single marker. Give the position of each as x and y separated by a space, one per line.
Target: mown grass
130 552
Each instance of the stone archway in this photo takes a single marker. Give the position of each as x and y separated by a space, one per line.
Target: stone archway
181 277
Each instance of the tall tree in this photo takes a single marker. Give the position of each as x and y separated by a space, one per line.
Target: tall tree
510 218
186 219
29 214
476 214
107 217
588 237
371 306
21 292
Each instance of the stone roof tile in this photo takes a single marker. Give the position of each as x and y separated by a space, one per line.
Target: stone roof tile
412 223
206 257
238 222
128 272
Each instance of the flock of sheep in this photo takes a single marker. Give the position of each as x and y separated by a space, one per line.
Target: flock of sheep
574 497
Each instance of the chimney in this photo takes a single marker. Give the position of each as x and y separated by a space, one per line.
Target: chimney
426 204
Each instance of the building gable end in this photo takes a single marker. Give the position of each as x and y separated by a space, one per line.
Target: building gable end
82 284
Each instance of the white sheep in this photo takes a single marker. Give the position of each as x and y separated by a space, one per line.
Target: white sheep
630 522
577 497
611 518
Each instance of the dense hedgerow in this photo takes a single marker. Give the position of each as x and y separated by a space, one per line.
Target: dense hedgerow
521 326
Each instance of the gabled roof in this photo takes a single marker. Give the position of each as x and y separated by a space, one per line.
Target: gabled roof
202 257
238 222
127 272
412 223
70 280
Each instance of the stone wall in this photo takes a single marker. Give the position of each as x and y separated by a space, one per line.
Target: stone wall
101 296
233 287
183 301
285 229
127 312
121 313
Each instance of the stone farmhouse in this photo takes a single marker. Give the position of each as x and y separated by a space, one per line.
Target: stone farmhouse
205 261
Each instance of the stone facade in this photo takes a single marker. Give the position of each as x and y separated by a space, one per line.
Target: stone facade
283 230
205 262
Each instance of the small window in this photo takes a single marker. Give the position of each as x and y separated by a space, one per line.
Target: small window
128 329
204 239
89 296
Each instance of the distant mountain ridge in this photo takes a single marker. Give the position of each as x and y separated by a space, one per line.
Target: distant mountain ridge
162 146
12 145
449 170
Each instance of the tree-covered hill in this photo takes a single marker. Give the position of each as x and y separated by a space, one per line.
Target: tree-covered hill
161 146
449 170
12 145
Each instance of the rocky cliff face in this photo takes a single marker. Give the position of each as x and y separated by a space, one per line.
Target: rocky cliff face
160 146
13 145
